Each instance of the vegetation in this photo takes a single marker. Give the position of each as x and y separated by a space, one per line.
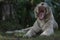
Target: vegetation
56 36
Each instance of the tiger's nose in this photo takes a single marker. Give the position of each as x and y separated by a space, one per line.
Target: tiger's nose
42 4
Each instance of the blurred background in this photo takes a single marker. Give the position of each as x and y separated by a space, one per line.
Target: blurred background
18 14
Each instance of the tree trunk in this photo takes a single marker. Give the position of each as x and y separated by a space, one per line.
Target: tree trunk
7 11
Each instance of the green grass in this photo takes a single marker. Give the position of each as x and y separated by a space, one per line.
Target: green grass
18 36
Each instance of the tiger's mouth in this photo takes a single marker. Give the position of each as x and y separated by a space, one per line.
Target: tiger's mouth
41 12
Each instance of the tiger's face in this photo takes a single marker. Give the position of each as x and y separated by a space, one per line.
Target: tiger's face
42 10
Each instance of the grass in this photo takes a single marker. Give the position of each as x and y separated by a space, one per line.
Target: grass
18 36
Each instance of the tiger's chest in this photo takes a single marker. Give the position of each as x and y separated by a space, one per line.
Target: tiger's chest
41 23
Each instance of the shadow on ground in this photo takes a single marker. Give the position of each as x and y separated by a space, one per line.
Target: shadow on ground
18 36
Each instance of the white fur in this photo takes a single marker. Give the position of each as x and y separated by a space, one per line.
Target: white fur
46 25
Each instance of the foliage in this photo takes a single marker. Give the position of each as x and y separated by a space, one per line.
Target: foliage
24 15
22 12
